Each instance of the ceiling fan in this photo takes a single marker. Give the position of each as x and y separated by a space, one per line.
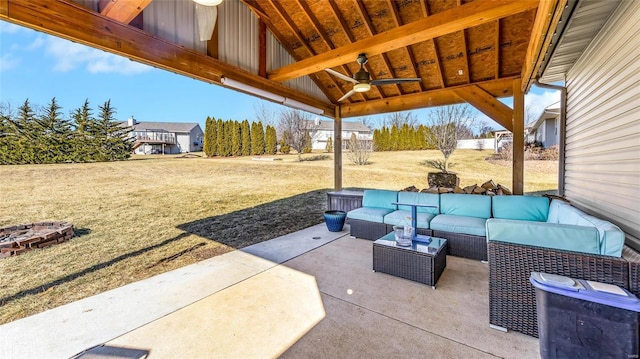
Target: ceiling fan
206 14
362 81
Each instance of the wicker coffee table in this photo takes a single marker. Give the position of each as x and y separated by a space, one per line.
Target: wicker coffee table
421 262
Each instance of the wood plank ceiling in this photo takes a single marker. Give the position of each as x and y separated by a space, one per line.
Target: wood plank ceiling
462 50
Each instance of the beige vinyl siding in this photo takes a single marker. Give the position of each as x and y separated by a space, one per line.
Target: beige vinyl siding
602 170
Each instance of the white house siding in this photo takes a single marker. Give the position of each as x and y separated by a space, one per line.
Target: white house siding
603 127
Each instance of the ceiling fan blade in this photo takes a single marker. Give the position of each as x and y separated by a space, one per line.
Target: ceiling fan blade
394 81
342 76
347 95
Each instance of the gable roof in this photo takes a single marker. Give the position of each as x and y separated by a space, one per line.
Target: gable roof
164 126
473 51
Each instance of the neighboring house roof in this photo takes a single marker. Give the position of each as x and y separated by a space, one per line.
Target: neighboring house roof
164 126
346 126
552 111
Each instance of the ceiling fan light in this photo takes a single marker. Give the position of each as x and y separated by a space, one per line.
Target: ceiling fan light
361 87
208 2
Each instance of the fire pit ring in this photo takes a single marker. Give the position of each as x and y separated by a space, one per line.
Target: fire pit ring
18 239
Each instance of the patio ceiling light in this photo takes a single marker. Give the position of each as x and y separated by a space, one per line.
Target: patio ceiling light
208 2
361 87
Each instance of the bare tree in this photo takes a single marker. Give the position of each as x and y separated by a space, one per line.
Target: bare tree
359 150
296 127
446 123
399 118
265 112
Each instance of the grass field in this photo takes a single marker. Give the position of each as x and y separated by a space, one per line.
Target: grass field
151 214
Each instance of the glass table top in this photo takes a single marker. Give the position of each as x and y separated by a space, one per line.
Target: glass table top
421 244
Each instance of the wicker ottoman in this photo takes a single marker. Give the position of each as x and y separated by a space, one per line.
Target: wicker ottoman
423 262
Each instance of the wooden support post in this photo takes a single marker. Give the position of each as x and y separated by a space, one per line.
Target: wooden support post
337 151
518 138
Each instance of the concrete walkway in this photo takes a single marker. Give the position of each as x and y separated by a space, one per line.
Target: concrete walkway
308 294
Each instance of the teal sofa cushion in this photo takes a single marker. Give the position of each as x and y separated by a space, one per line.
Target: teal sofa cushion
611 237
369 214
541 234
555 207
380 198
526 208
459 224
403 218
470 205
429 199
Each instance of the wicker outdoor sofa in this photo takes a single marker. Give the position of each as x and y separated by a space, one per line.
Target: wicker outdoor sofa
519 238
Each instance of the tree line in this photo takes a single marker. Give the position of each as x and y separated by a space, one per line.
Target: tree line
403 138
234 138
30 136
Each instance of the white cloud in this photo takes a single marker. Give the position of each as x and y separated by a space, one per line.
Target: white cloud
36 43
69 56
9 28
8 62
537 102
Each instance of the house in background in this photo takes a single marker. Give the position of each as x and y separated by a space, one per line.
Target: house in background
545 129
165 137
323 129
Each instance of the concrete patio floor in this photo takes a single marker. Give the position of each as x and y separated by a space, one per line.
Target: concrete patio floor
309 294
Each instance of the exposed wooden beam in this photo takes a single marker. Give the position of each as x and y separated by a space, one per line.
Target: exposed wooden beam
498 88
465 55
327 40
412 58
518 138
497 47
545 24
73 22
362 11
345 30
487 104
124 10
436 53
446 22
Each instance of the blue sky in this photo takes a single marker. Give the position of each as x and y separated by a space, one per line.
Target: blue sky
39 67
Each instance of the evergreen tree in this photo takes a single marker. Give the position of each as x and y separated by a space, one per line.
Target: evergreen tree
221 141
329 146
25 132
228 138
114 142
394 140
271 140
236 139
257 138
284 147
83 144
209 145
246 138
53 135
307 143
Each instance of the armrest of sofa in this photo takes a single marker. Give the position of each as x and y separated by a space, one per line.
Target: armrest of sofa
541 234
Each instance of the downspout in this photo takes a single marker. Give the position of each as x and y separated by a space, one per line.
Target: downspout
563 121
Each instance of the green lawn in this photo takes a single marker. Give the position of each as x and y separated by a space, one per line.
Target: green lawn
151 214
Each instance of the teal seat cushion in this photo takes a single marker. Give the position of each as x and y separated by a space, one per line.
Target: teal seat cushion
421 198
380 198
403 218
555 207
541 234
610 236
369 214
459 224
469 205
526 208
